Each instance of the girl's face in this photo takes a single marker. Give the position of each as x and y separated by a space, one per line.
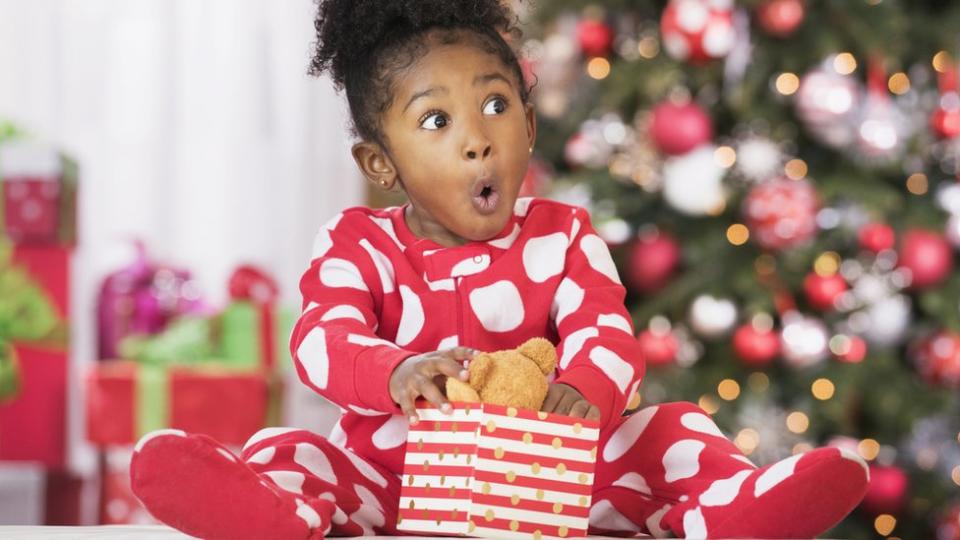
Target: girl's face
459 139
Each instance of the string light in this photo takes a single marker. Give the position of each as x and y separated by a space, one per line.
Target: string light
868 449
941 61
797 422
884 524
827 264
708 404
747 440
598 68
917 184
725 156
649 47
787 83
899 83
822 389
795 169
844 63
801 448
738 234
728 389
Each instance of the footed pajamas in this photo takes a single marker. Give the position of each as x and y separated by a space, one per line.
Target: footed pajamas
375 295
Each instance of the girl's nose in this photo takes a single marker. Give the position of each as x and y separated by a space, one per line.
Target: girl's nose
472 154
477 146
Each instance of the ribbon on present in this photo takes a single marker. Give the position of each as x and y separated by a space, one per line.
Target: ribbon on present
251 284
9 372
127 399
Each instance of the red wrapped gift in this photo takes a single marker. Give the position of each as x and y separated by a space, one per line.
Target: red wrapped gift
33 425
126 400
498 472
39 193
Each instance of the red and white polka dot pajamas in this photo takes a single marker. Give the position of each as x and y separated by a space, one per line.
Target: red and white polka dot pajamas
375 294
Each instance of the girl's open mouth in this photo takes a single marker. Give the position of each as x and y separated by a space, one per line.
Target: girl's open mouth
485 197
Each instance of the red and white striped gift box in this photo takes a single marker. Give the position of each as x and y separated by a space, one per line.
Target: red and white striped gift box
498 472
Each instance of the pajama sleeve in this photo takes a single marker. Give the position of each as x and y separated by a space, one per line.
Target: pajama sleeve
599 355
335 347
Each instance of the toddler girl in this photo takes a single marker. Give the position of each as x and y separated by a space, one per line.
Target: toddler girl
395 300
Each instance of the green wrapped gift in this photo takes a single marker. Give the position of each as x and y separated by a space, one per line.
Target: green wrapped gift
252 335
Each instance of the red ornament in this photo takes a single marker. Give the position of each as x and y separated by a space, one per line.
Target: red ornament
945 119
887 490
822 291
928 257
781 213
780 18
658 348
945 123
877 237
679 128
948 526
595 37
698 30
937 359
653 260
852 350
756 347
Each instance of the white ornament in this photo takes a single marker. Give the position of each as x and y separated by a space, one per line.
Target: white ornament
887 321
804 340
953 230
758 158
948 197
711 317
692 183
827 103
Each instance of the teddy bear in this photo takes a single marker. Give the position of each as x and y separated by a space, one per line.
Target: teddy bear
512 378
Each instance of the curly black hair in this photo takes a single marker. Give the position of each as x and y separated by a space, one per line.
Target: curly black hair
364 44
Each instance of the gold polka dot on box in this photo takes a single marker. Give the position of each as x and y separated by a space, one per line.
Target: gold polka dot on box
498 472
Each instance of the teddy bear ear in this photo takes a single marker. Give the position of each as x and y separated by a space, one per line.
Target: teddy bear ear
542 352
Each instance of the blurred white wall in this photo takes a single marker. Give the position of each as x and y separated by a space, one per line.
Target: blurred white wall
197 130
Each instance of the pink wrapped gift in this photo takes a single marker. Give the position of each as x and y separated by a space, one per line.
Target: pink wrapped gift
498 472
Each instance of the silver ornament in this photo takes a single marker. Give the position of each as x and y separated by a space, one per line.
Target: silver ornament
712 317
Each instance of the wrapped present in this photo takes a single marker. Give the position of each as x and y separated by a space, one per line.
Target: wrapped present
39 193
34 292
498 472
33 425
253 330
126 400
142 299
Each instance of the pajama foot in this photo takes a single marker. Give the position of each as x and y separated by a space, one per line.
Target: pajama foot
802 496
196 485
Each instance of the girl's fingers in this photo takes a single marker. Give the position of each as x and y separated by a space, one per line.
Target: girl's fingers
580 409
593 413
566 403
435 396
449 367
552 399
408 408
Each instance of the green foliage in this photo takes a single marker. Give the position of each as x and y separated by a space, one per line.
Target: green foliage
880 398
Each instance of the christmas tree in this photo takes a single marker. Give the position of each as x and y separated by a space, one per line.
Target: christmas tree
778 181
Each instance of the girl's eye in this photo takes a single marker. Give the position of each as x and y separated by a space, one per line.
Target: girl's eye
434 122
495 106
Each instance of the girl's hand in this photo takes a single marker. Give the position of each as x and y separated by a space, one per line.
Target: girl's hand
564 399
424 375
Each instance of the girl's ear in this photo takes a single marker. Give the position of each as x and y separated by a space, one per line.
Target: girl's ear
531 125
375 164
